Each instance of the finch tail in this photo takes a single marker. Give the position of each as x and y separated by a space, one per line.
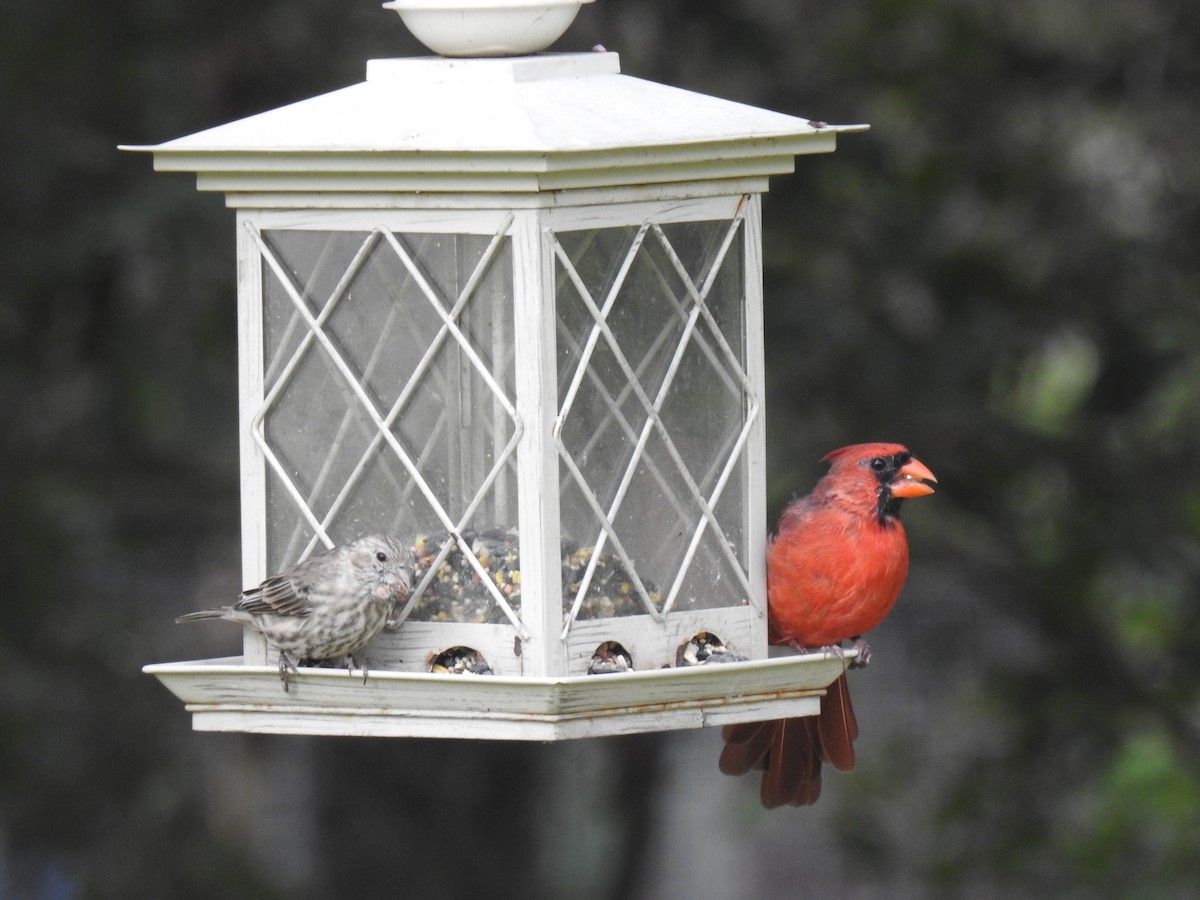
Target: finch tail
202 614
790 751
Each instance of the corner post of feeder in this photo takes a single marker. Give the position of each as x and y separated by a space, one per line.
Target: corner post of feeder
250 393
756 469
537 460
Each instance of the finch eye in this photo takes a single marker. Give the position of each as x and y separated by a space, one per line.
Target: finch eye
381 556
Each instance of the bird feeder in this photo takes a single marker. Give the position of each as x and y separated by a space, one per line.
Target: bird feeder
509 310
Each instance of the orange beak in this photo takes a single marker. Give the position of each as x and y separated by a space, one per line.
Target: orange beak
910 480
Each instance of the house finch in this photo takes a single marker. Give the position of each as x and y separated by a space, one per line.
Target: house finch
329 605
835 566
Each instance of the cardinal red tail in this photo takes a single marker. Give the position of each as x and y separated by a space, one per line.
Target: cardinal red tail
790 751
836 727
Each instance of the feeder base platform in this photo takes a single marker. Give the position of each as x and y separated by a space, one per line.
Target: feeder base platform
225 695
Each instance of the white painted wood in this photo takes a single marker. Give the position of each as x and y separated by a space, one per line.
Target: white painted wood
413 646
553 103
537 461
487 221
653 645
543 127
223 694
533 162
662 211
712 163
428 200
250 397
755 488
419 221
371 722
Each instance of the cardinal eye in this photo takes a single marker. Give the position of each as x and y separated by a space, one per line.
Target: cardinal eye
381 556
879 463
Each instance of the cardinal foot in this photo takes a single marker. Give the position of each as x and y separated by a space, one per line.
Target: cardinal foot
864 654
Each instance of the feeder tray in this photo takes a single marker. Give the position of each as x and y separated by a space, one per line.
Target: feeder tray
225 695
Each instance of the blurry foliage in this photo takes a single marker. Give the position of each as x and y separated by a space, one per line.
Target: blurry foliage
1001 273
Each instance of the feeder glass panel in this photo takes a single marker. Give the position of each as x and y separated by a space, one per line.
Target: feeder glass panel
655 410
389 378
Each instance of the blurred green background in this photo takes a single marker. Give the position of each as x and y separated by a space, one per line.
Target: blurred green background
1004 273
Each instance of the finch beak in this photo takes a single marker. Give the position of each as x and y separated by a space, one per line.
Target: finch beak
910 480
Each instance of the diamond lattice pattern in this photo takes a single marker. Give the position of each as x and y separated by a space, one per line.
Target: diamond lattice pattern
388 389
655 412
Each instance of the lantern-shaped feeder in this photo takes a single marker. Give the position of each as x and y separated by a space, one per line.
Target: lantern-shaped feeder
508 310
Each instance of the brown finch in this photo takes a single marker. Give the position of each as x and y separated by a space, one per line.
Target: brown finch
328 606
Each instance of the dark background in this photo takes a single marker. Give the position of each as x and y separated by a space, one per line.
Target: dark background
1004 273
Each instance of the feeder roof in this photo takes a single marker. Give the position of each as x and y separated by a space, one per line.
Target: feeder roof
549 123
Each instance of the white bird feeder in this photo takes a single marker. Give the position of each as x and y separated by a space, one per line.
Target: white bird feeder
508 309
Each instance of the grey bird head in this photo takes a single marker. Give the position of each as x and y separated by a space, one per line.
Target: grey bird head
389 562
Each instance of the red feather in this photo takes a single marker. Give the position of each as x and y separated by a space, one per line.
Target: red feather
835 566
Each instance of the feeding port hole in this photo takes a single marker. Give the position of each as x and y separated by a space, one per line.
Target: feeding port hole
460 661
610 657
703 648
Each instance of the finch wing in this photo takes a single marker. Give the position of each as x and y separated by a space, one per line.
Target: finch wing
279 595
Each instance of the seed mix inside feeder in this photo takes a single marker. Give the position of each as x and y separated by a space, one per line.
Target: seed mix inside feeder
456 592
610 657
705 648
460 661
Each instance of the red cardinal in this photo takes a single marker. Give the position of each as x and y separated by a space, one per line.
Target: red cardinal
835 566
